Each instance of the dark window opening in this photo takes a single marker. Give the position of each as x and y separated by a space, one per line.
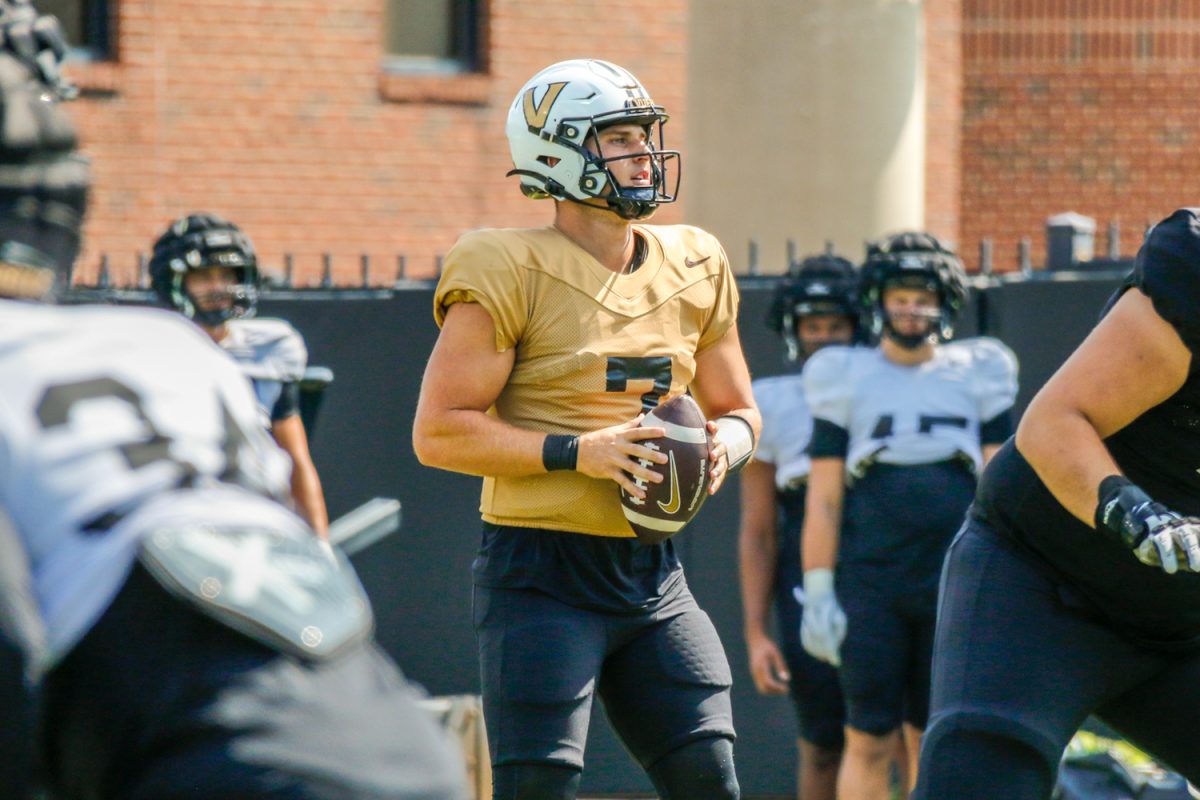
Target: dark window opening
85 25
432 36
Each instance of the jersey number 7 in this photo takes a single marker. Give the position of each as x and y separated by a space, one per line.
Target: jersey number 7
623 369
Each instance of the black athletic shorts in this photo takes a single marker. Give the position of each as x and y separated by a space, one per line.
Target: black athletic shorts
1021 660
662 676
158 702
886 654
898 523
814 688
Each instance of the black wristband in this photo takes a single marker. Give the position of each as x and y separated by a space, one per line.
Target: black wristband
1121 502
560 451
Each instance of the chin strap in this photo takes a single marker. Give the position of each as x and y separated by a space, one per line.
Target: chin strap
623 205
738 437
939 330
907 341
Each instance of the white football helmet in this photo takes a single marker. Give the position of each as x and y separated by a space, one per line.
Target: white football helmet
554 114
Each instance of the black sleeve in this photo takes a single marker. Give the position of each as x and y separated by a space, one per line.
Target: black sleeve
828 440
17 734
288 402
997 429
22 642
1167 271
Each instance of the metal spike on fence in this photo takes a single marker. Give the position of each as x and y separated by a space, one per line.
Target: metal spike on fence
143 272
289 270
828 247
985 256
1024 257
1114 240
365 261
438 261
326 270
103 280
791 252
752 269
401 267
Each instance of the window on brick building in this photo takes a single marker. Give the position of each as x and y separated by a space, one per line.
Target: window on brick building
432 36
85 25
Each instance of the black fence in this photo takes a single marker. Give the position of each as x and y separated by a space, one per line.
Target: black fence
1069 243
377 341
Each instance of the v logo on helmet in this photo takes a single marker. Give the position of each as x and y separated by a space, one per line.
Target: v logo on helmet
536 115
672 506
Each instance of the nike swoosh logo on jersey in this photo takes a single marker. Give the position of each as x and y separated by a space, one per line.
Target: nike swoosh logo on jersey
687 262
672 506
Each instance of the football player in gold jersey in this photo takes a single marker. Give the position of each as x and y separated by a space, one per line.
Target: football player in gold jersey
554 342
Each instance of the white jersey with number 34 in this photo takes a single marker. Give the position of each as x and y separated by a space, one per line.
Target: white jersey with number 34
103 411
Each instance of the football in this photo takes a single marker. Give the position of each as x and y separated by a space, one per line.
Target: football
671 504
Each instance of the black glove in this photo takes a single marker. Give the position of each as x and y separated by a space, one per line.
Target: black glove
1154 533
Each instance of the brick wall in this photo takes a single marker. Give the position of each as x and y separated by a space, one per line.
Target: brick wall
1076 107
276 114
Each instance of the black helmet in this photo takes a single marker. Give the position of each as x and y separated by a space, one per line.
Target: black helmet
43 181
915 260
204 241
817 285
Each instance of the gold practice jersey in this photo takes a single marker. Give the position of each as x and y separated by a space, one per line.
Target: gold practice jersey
593 348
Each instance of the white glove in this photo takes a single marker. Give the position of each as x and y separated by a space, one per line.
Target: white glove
1157 535
1167 540
823 626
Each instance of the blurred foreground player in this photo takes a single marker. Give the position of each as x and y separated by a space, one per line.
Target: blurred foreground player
205 268
199 642
1073 587
554 341
814 306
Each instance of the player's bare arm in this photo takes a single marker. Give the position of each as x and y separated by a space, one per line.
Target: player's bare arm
722 388
306 484
452 429
758 550
1132 361
823 513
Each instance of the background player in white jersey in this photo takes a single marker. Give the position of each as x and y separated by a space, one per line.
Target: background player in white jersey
205 267
554 341
900 432
198 641
816 305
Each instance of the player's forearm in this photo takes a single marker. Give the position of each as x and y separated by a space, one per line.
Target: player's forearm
1068 455
820 544
310 499
476 443
758 555
823 514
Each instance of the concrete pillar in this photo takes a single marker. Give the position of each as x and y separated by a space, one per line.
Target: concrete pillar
806 121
